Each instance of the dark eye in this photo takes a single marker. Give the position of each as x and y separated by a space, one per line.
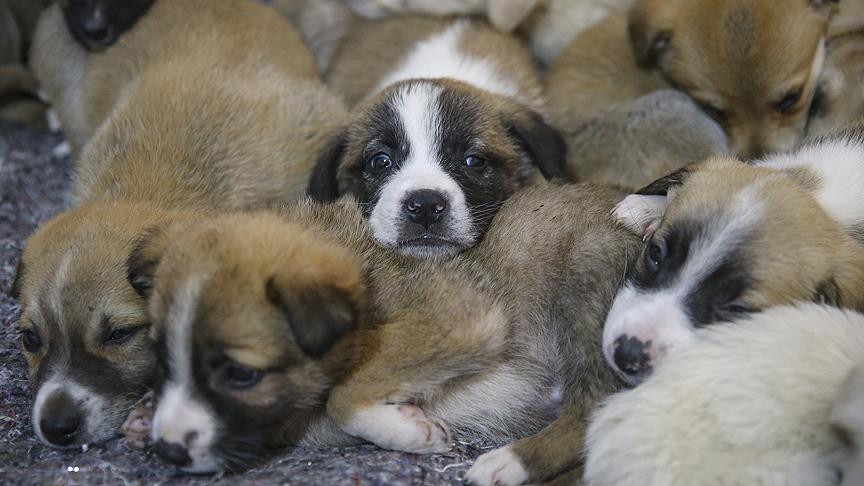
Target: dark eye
716 113
732 311
789 101
655 253
119 335
475 161
380 162
240 377
30 340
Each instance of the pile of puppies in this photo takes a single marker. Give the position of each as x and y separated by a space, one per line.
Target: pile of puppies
377 243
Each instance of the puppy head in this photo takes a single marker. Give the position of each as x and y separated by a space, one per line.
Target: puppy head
247 311
97 24
723 239
432 161
752 65
83 327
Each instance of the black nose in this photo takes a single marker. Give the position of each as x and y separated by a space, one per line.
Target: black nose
60 425
95 22
174 453
631 356
425 207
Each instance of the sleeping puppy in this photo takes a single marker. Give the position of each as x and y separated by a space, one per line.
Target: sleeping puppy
188 123
452 126
755 75
97 24
750 403
725 238
261 317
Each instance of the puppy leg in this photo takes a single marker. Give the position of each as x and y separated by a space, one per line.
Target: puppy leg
541 457
137 426
412 359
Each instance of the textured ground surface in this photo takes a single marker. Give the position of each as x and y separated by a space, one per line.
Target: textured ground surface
34 186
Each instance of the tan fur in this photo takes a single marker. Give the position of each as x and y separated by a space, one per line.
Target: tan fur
19 100
733 54
201 106
479 343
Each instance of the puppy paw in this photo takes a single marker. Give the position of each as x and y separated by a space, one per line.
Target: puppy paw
640 214
137 426
501 467
402 428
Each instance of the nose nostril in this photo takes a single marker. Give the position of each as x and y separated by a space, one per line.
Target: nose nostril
60 429
173 453
631 355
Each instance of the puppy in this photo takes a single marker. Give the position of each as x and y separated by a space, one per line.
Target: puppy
202 106
97 24
750 403
725 238
754 75
276 313
451 128
639 142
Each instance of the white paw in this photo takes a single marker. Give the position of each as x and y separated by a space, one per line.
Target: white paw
400 427
501 467
137 426
640 214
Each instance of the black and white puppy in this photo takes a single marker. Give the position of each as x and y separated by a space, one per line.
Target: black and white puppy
447 135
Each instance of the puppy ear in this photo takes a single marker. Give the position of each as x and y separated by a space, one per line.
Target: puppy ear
663 185
542 144
650 25
643 211
324 186
144 258
319 318
15 289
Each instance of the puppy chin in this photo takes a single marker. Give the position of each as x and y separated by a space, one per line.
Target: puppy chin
429 248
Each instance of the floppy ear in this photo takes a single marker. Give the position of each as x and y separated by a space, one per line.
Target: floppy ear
543 145
650 25
323 186
144 258
15 289
318 317
643 211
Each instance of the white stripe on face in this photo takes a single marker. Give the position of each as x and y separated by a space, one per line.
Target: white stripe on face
180 418
417 109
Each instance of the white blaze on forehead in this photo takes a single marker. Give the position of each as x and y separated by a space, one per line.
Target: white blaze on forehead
91 407
54 295
417 109
180 418
441 56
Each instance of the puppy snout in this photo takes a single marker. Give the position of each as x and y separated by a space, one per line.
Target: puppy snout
426 207
632 356
60 420
96 23
172 453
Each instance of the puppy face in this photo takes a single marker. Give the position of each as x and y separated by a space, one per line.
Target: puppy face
753 66
246 310
432 161
730 240
97 24
84 330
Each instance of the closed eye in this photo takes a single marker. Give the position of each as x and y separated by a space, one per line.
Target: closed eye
789 101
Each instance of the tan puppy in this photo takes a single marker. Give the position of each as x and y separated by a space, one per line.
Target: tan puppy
725 238
202 105
484 344
753 66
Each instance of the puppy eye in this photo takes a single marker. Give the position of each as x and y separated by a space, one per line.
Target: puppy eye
475 162
655 253
239 377
732 311
719 115
119 335
380 162
30 340
789 101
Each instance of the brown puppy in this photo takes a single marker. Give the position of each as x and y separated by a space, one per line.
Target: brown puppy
727 238
202 105
753 66
484 344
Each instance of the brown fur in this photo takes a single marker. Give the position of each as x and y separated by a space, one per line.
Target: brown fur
736 55
201 106
511 332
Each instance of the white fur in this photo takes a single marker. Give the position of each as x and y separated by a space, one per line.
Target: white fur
92 406
749 403
840 167
416 108
441 56
501 467
640 214
399 427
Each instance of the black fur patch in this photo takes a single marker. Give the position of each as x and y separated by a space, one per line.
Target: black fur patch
661 186
97 24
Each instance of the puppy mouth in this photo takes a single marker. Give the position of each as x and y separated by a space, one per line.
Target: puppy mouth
429 246
427 240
